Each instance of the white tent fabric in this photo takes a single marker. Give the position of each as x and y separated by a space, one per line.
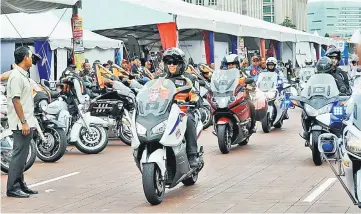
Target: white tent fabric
356 37
33 6
190 16
41 25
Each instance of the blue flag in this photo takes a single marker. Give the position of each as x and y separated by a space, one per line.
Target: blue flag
44 66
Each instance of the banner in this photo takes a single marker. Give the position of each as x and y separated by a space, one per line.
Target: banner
208 37
78 45
118 57
44 66
168 34
263 48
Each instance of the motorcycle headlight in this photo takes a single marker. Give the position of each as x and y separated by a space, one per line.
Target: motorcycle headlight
314 112
353 144
140 129
160 128
43 105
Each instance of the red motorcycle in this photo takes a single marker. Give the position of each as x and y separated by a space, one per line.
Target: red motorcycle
230 109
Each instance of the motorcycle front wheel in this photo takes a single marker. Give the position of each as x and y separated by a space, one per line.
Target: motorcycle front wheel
6 155
224 138
55 146
153 184
93 141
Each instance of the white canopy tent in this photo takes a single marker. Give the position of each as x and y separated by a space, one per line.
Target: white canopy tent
42 26
190 16
33 6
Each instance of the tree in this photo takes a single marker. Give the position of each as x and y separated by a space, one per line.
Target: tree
288 23
327 35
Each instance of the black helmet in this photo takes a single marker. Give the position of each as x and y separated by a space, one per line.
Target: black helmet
333 52
324 65
174 56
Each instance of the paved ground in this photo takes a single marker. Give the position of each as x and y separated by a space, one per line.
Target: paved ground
274 173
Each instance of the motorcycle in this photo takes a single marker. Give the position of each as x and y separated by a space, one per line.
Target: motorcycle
49 136
231 111
6 138
268 83
346 149
320 100
158 128
88 133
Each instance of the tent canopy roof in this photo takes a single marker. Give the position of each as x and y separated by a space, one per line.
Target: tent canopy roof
190 16
41 26
33 6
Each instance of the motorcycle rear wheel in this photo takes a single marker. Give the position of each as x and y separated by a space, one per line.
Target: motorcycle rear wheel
153 185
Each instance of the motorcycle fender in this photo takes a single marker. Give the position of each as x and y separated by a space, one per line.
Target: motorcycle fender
53 124
279 113
159 157
223 120
324 119
6 133
93 120
135 140
75 130
316 128
270 110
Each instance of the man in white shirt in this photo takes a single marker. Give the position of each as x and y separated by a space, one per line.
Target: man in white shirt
22 121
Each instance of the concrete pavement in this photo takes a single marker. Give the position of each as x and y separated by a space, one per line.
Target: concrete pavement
274 173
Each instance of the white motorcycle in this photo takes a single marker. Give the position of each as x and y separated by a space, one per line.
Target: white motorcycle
6 138
268 83
90 134
346 149
158 128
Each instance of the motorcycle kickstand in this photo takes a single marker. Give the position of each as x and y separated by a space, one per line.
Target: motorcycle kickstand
354 201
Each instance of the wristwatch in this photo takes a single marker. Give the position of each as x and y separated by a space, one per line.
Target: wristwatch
23 121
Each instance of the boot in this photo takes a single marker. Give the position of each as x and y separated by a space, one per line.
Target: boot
286 117
193 161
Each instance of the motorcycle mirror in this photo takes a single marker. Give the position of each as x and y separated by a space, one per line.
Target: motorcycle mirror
358 70
202 83
249 80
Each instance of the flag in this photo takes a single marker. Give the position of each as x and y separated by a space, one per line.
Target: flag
44 66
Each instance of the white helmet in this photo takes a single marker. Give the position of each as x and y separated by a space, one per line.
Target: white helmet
271 60
354 58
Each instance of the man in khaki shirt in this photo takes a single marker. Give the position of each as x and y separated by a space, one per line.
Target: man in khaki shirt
21 121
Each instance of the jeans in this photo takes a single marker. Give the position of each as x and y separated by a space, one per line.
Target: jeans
191 135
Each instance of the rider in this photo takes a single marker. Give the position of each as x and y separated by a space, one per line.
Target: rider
254 69
324 65
340 76
174 67
232 61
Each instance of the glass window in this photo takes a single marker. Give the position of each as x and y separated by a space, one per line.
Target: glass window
212 2
199 2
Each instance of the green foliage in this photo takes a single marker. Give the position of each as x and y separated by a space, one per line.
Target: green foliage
288 23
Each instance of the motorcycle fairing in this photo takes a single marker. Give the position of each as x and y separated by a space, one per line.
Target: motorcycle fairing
175 128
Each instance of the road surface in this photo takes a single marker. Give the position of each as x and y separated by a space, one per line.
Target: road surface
273 173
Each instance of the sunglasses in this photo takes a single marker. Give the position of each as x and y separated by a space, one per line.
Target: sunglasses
255 60
171 61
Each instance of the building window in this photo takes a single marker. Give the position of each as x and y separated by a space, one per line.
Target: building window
267 19
310 13
317 21
212 2
330 24
331 8
188 1
331 16
200 2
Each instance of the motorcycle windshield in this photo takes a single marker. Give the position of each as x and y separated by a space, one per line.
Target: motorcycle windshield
224 82
155 97
306 73
267 81
320 85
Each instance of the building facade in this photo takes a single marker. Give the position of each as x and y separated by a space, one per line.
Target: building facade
337 18
276 11
252 8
